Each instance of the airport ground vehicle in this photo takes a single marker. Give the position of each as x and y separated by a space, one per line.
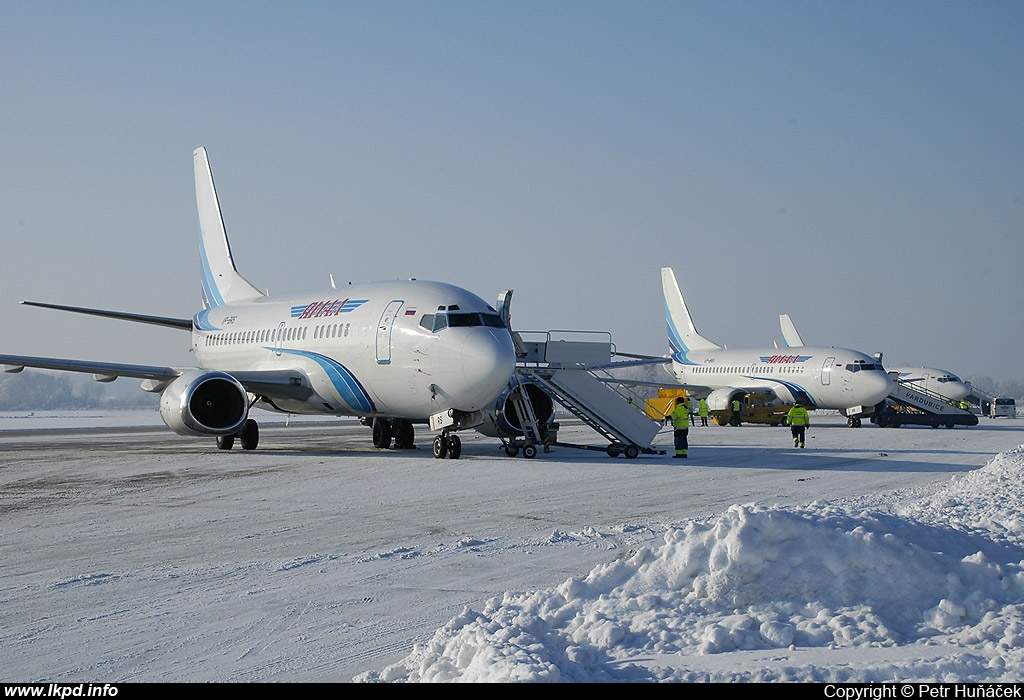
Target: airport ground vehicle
756 408
1003 406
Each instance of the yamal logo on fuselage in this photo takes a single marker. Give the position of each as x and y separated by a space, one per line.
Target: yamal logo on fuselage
322 309
784 359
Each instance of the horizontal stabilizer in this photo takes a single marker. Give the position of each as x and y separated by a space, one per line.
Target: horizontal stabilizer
184 324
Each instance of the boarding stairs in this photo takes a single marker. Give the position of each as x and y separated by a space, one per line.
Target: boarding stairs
912 405
532 435
559 366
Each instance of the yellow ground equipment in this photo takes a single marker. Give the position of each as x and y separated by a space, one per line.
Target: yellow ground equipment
755 409
661 407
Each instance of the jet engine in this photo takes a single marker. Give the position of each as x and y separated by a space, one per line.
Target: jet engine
503 420
721 399
204 403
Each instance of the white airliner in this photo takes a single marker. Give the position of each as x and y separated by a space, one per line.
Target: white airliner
932 380
392 353
834 378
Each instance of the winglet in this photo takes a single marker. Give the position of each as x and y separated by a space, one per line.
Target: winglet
682 334
222 283
790 337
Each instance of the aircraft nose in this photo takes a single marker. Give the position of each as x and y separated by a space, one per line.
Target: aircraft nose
875 386
488 360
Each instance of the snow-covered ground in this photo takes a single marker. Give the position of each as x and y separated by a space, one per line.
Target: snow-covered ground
875 554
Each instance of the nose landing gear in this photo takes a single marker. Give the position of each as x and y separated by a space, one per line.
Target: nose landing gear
447 445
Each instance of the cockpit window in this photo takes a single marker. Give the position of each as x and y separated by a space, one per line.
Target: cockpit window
474 319
862 367
440 321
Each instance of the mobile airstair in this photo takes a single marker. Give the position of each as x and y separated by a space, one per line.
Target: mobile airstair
909 405
561 367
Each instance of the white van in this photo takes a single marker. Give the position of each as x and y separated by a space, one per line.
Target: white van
1003 407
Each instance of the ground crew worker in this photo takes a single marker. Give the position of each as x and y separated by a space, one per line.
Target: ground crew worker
702 411
681 427
799 421
735 419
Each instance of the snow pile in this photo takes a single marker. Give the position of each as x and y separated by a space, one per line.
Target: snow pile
943 570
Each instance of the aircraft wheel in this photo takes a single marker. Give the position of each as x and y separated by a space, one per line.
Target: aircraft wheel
529 452
632 452
440 447
454 447
511 450
405 436
381 433
250 435
225 442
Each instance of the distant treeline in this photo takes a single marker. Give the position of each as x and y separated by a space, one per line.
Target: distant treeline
1012 388
42 391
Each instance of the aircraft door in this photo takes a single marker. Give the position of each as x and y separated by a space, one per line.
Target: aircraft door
384 329
279 339
826 371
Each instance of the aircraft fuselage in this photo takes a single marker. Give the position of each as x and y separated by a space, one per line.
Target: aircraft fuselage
405 349
834 378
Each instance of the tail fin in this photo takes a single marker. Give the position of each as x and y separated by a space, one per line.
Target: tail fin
790 337
682 334
222 284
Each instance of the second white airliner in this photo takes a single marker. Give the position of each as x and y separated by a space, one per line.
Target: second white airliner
819 377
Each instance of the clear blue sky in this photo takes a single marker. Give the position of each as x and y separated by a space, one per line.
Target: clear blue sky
859 166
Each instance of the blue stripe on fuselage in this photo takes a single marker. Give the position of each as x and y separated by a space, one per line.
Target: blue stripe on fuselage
345 383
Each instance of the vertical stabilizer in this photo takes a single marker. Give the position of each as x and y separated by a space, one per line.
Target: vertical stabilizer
790 337
222 284
682 334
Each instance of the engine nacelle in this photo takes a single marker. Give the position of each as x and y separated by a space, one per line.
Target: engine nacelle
721 399
503 420
204 403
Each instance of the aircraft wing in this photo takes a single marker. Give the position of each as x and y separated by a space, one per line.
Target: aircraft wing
650 371
275 384
287 384
107 370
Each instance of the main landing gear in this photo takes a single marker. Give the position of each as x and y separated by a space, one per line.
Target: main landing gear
387 429
447 445
248 436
